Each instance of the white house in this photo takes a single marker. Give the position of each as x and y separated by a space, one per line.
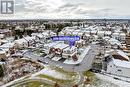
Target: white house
58 49
87 32
38 36
8 45
119 67
108 33
8 48
24 42
94 32
2 36
116 35
114 43
80 43
122 36
101 33
21 43
48 47
75 32
69 52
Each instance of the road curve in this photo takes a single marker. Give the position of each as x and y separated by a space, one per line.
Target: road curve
83 66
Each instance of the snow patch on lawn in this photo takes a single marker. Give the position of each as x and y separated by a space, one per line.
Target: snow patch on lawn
53 73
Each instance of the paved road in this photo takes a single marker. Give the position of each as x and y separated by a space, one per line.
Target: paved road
83 66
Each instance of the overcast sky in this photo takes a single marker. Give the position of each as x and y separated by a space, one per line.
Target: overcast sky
59 9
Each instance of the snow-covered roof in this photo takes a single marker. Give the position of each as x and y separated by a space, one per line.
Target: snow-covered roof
51 44
80 41
109 51
95 36
45 33
93 31
34 34
106 38
115 34
80 33
20 41
29 38
61 45
2 51
7 45
88 35
67 31
114 41
122 54
87 32
75 32
121 63
40 35
4 41
87 29
70 48
2 35
108 32
122 34
101 32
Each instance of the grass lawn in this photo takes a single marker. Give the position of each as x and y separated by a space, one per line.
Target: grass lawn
33 84
70 74
60 81
94 80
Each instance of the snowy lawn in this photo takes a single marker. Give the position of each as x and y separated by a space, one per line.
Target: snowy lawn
55 73
95 81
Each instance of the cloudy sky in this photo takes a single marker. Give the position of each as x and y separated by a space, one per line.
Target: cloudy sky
60 9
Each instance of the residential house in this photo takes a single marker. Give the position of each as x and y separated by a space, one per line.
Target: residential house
48 48
24 42
119 67
58 49
80 43
69 52
8 48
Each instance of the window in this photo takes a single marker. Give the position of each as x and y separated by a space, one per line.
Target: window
68 52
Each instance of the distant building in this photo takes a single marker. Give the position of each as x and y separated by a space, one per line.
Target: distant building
24 42
119 67
118 64
127 40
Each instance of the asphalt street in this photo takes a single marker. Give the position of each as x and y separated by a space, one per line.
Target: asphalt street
80 68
